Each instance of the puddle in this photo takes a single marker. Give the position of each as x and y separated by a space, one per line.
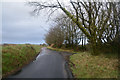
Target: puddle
41 54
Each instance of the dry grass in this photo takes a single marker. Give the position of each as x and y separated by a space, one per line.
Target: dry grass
59 49
89 66
85 65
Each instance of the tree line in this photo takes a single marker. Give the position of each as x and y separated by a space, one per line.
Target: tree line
96 22
65 33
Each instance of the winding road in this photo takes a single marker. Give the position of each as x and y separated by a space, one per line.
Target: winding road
48 64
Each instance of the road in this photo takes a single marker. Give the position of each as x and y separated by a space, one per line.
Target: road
48 64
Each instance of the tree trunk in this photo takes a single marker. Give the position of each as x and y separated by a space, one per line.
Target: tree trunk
94 47
82 41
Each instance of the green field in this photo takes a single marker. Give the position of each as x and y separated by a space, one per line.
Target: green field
85 65
14 57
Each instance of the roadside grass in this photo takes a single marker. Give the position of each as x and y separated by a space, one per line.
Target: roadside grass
85 65
16 56
89 66
60 49
37 47
0 61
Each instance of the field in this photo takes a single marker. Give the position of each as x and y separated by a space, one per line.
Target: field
85 65
14 57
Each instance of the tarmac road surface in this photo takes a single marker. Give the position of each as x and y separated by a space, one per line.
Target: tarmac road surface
48 64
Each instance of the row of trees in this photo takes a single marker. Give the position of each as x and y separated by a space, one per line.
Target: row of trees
66 33
98 21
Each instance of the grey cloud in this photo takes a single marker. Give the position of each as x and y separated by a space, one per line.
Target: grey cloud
18 26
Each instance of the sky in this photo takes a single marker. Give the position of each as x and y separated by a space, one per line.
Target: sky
19 26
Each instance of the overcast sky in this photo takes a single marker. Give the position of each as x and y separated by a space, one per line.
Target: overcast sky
18 26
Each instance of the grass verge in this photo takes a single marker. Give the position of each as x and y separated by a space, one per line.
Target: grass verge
0 61
14 57
89 66
64 50
85 65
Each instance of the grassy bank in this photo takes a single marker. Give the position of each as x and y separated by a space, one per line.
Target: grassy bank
85 65
59 49
15 57
0 61
89 66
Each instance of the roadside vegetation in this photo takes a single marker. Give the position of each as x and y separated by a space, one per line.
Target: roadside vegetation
15 56
95 23
86 65
61 49
0 61
90 29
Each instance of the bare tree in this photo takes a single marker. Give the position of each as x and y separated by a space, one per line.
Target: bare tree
72 34
94 19
55 36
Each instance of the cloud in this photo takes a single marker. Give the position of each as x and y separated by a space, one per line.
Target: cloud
18 26
14 0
